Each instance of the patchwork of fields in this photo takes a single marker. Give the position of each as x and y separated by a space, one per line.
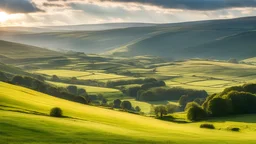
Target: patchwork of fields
83 75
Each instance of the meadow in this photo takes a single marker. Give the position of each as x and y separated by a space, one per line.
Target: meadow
83 75
24 119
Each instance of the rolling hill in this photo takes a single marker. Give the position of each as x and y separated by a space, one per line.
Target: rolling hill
24 119
84 27
13 51
220 39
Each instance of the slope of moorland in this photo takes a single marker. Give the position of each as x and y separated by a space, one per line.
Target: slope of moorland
10 50
24 120
83 27
204 39
12 70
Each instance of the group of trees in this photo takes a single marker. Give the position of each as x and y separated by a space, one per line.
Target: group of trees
175 93
163 110
71 93
74 80
134 91
3 77
125 105
232 101
112 84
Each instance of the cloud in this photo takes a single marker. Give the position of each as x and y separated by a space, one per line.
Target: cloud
18 6
201 5
45 4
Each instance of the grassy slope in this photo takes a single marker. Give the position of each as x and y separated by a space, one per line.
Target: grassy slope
96 125
20 51
251 60
12 69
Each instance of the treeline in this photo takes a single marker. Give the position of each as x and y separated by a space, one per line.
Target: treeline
112 84
76 81
232 101
69 93
160 93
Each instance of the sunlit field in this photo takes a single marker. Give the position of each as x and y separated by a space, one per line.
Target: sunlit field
83 75
24 113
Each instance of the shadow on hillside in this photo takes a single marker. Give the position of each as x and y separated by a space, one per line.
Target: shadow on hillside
250 118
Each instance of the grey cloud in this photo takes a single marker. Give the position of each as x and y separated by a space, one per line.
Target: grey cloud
18 6
202 5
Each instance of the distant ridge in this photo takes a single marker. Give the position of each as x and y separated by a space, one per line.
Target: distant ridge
220 39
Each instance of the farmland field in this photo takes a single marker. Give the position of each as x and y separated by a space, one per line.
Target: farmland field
83 75
24 113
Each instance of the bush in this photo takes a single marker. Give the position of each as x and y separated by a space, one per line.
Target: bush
208 126
234 129
56 112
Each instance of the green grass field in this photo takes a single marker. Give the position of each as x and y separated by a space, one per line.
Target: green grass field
89 89
23 119
206 75
83 75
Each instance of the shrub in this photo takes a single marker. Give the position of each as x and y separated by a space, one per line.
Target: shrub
208 126
56 112
234 129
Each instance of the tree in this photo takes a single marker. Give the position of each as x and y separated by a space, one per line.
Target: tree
72 89
183 100
117 103
160 111
171 108
56 112
104 101
81 92
55 78
191 104
232 60
126 105
219 107
137 109
132 91
196 113
3 77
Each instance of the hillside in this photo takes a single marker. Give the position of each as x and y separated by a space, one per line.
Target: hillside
220 39
24 120
83 27
11 51
12 70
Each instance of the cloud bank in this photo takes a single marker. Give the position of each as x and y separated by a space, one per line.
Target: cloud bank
18 6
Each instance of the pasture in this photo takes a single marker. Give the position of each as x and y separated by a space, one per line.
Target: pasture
24 119
83 75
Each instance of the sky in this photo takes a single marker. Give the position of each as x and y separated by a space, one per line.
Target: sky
74 12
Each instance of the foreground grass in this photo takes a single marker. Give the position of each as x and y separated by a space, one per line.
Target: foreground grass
23 119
